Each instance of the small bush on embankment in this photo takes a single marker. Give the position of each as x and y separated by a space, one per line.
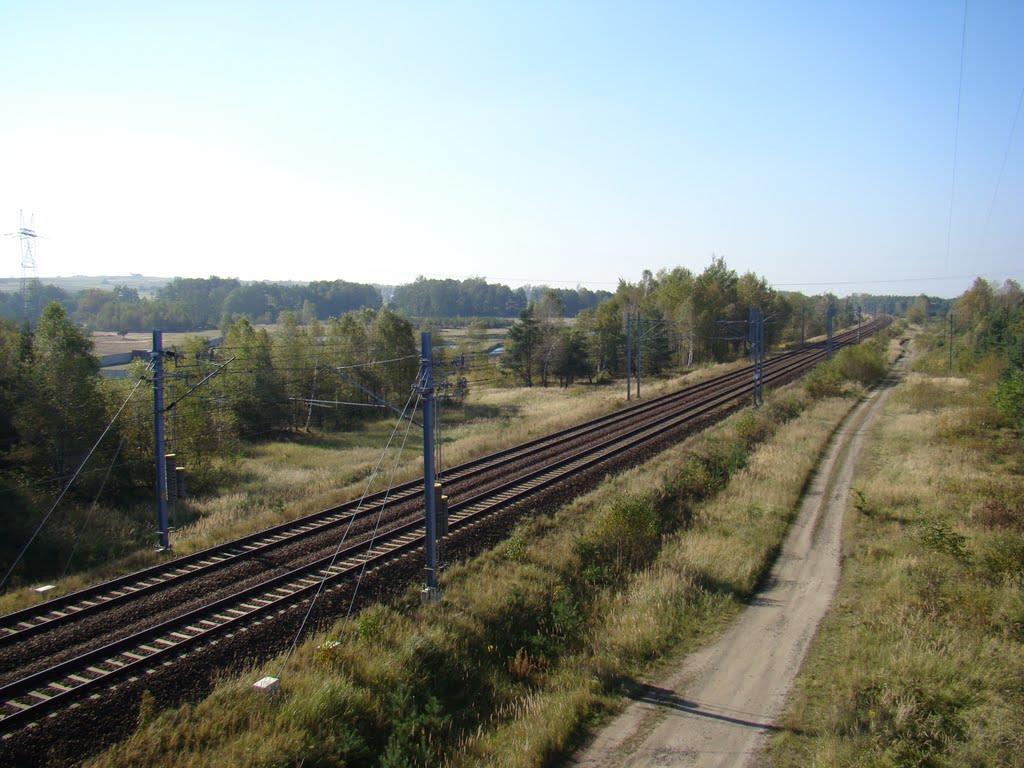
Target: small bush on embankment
863 364
535 636
921 661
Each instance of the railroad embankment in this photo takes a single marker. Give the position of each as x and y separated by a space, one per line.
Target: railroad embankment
921 661
536 637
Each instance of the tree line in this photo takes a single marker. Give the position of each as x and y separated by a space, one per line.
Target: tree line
475 297
679 317
191 304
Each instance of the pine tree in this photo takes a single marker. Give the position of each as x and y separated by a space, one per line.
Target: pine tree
523 338
62 412
255 393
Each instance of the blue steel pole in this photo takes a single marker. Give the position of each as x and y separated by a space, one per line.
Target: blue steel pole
752 326
431 593
629 357
158 440
639 347
828 319
759 371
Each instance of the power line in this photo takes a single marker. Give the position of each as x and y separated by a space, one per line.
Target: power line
376 362
956 136
351 520
906 279
380 514
1002 168
92 509
69 484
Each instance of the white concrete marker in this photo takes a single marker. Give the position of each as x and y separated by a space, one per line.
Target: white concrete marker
267 685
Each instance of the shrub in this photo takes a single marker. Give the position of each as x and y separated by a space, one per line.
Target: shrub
371 623
1002 559
412 740
722 458
939 537
863 363
693 482
515 546
993 513
924 395
1009 397
824 381
785 406
626 535
754 427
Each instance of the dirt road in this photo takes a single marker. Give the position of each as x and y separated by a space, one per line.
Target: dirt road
716 708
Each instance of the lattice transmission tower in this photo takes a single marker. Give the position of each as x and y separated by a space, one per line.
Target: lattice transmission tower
27 236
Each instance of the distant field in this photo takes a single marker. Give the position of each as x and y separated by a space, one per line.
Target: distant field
145 285
109 343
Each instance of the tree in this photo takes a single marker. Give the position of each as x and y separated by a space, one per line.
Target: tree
200 429
248 301
976 303
918 311
549 313
573 361
392 338
12 346
654 346
255 394
714 299
523 338
293 359
63 414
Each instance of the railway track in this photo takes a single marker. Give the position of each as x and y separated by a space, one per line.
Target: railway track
68 608
48 690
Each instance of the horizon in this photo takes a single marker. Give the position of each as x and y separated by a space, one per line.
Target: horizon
997 281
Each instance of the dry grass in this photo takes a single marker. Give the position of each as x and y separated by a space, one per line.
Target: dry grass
532 637
111 343
920 662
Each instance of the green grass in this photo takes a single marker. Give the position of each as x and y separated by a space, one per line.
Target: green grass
921 661
534 637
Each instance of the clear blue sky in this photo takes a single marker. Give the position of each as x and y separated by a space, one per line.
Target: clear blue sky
556 141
